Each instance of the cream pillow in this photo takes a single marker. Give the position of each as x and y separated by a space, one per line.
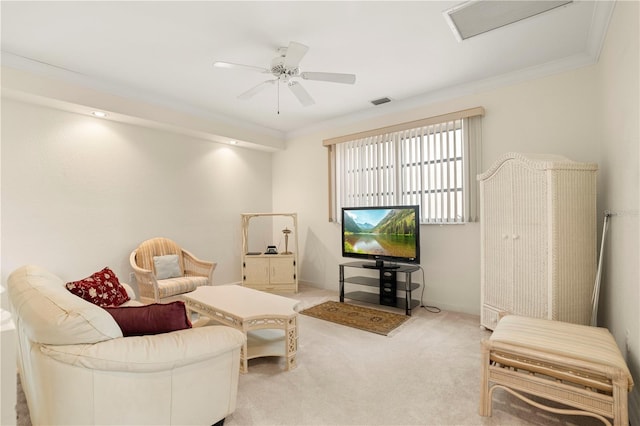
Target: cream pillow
167 266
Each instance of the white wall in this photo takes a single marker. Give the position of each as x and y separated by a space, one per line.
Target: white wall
79 193
619 187
554 115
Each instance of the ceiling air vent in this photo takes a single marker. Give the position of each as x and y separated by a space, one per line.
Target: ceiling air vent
380 101
480 16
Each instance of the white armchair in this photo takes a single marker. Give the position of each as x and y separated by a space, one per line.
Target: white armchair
191 272
76 368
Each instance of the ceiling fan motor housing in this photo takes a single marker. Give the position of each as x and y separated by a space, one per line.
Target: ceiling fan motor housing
280 71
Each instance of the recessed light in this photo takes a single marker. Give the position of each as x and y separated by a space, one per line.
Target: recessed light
99 114
233 142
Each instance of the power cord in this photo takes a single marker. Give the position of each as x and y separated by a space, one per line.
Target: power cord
429 308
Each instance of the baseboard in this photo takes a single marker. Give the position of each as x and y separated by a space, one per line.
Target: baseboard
315 285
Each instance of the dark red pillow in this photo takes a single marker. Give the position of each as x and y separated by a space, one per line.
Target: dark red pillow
155 318
101 288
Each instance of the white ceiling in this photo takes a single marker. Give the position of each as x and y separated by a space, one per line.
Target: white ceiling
162 52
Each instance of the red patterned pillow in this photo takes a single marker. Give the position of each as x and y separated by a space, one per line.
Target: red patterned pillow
155 318
102 289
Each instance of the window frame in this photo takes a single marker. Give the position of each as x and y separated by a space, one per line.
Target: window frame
405 133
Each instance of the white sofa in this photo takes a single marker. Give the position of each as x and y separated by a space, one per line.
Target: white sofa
77 368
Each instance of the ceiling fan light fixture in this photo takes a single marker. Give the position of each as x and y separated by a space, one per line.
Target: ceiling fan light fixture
476 17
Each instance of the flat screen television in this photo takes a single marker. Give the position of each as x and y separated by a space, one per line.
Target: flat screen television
388 233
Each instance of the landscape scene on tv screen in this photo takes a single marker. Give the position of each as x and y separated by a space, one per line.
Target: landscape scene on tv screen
380 232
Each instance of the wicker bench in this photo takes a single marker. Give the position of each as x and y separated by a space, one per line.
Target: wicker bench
575 365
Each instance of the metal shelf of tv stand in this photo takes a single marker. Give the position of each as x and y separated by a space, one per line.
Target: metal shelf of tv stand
407 303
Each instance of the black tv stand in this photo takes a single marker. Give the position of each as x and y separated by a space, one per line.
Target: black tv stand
380 265
370 266
386 282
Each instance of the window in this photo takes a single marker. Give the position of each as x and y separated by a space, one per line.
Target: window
431 162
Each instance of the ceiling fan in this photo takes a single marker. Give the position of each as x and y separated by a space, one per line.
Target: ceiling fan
285 69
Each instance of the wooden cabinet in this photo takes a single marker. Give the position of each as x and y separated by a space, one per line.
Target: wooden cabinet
538 238
271 272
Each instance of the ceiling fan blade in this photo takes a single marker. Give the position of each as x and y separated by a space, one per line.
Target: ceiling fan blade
295 53
220 64
255 89
303 96
329 76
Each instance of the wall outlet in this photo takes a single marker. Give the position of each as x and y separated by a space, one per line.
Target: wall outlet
132 278
627 341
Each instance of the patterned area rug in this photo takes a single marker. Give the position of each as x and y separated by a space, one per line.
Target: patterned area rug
360 317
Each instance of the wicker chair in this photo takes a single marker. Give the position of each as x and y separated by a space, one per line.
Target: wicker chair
192 273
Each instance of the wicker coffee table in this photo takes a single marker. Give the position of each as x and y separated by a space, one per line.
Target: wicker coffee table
269 321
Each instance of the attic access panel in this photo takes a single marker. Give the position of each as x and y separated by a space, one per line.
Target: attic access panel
480 16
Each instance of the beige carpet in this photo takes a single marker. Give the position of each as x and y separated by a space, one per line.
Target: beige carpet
360 317
426 373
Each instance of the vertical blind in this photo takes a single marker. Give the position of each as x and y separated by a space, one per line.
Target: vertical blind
431 163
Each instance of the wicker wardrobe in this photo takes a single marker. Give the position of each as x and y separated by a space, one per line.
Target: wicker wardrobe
538 238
